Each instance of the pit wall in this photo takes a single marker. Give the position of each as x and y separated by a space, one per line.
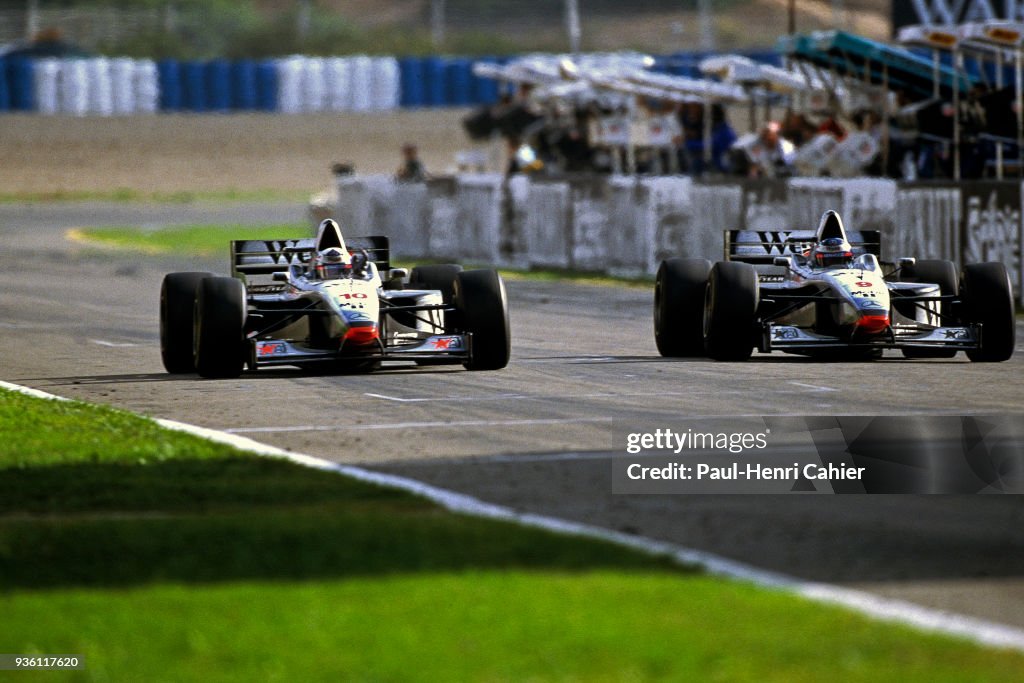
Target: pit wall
627 225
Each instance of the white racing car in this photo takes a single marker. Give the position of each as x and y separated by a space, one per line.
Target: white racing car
826 294
322 303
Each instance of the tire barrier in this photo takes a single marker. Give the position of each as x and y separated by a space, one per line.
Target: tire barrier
628 225
101 86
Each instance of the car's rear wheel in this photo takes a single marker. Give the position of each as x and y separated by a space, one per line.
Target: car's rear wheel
942 273
482 306
730 308
220 327
986 297
177 299
679 306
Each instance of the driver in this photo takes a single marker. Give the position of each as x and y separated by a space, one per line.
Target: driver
832 252
332 263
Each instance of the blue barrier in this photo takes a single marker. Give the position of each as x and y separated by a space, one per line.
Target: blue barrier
266 85
20 81
458 82
434 71
410 70
193 81
218 85
485 90
168 73
5 91
243 85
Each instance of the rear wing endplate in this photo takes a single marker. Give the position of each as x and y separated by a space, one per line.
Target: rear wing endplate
264 257
760 247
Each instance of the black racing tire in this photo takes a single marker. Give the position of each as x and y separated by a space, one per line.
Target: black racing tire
482 306
986 297
220 327
730 308
944 274
177 299
679 292
440 276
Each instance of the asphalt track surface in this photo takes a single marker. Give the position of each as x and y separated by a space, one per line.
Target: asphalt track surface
537 436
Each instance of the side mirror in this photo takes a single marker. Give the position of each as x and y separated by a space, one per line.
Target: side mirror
907 262
398 273
784 261
280 277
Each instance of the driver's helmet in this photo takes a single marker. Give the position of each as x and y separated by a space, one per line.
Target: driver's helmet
833 251
333 263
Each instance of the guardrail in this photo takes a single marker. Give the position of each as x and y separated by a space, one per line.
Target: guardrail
627 225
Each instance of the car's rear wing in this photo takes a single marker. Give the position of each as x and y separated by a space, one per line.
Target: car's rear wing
760 247
264 257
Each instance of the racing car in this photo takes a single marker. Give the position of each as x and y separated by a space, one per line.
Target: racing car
825 293
322 303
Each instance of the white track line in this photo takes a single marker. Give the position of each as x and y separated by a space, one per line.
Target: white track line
104 342
815 387
416 425
447 399
886 609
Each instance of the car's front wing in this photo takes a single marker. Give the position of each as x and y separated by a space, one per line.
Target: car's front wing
790 337
441 348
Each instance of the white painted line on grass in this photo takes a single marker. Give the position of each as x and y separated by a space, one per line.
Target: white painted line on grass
416 425
886 609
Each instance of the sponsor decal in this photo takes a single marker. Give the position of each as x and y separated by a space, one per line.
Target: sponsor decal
447 343
271 348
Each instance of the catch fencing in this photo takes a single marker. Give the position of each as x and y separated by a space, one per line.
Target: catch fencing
627 225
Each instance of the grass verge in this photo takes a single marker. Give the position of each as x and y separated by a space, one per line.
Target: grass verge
191 240
161 556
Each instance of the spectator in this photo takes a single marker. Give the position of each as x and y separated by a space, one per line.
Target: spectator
798 129
412 169
765 155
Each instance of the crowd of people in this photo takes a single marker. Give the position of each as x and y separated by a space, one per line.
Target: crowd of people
659 138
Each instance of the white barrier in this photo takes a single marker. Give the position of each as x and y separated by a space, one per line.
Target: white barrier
146 84
96 86
336 81
313 86
360 83
45 89
626 225
123 87
73 87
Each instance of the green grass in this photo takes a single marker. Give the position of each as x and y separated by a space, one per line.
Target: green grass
125 194
480 626
163 557
192 240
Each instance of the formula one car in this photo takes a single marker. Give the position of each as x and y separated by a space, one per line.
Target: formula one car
322 303
826 294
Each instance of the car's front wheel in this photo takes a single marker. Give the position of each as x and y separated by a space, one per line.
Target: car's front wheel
177 299
729 311
986 297
482 307
220 327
